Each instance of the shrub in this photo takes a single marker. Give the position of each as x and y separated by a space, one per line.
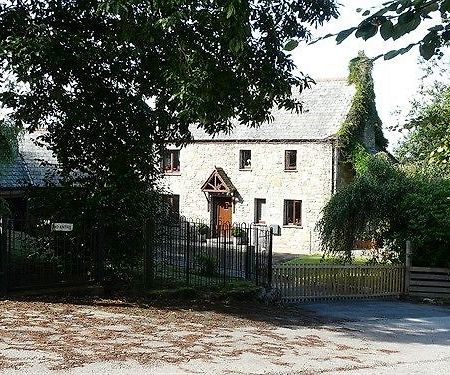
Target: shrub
206 265
238 232
390 206
202 229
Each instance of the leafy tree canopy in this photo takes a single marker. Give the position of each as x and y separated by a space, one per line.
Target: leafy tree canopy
8 141
112 81
395 18
427 145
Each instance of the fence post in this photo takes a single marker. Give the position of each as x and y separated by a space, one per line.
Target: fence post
149 243
3 256
269 260
248 250
187 252
100 255
408 266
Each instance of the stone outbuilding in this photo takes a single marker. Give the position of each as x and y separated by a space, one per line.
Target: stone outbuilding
33 167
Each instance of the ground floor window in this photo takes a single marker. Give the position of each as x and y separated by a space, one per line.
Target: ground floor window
172 203
292 212
260 208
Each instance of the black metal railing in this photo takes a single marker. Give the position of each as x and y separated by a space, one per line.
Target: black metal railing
40 254
35 253
193 253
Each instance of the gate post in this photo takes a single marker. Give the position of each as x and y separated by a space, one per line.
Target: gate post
269 260
3 256
408 266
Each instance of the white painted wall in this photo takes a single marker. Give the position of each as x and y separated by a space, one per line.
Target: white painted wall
311 183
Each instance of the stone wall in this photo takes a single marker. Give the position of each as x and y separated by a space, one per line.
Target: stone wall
311 183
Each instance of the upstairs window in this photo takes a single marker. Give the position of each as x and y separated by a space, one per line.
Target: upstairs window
171 161
260 210
292 212
290 160
245 159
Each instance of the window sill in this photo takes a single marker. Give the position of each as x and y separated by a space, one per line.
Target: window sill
172 173
291 170
245 169
293 226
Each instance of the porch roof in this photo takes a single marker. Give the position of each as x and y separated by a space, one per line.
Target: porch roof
218 182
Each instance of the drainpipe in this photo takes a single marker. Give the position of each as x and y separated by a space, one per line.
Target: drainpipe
334 165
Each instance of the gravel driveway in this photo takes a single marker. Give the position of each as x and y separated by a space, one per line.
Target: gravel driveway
353 337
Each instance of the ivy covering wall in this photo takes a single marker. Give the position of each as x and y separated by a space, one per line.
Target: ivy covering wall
362 116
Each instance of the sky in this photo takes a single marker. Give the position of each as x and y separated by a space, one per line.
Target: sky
396 81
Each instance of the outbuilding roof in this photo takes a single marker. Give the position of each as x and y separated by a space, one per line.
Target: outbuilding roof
325 106
34 165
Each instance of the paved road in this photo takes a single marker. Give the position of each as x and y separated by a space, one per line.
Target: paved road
363 337
416 337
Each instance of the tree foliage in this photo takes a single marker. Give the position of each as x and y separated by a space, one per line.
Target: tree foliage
396 18
8 141
391 206
427 146
111 82
8 151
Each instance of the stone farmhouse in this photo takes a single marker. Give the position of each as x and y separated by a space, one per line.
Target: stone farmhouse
281 173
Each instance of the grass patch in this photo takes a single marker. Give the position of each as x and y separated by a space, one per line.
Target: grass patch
319 259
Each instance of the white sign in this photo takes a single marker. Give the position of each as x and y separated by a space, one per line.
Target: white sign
62 227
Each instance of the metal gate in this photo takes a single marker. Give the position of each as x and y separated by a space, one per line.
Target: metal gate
306 282
41 253
192 253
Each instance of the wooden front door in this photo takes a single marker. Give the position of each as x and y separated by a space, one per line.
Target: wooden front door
223 211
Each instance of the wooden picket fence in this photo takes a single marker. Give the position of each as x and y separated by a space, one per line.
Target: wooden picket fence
429 282
305 282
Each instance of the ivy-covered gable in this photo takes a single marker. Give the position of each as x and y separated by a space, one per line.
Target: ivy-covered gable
361 133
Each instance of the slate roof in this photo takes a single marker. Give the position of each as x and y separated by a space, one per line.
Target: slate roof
325 106
34 166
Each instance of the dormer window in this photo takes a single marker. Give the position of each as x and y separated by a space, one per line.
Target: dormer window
171 161
245 159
